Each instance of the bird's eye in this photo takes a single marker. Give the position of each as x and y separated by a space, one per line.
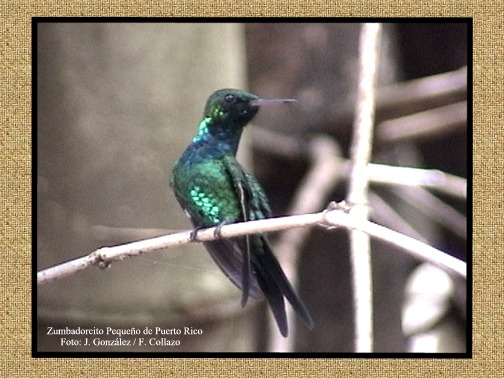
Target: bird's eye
229 98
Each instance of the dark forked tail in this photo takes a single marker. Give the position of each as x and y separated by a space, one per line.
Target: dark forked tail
275 286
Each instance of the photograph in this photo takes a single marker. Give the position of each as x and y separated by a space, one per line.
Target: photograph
208 188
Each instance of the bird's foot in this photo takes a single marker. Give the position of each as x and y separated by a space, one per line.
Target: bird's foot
218 229
194 233
217 232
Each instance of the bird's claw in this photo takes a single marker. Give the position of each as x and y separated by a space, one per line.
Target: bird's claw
218 230
194 234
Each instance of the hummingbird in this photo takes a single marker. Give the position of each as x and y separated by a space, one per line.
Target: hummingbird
214 189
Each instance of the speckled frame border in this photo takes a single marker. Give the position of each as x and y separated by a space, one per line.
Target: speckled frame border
16 199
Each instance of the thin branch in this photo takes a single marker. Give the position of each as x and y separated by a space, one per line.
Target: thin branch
328 218
360 254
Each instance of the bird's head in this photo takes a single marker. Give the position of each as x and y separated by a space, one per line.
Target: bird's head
236 107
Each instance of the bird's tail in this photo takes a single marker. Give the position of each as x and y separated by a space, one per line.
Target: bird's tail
268 278
275 286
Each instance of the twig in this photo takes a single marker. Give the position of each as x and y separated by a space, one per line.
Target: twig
332 218
360 254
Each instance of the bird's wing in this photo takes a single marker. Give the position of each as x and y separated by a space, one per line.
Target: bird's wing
270 275
240 183
259 202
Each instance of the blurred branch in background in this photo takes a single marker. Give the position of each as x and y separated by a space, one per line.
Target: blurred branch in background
385 214
357 196
434 179
396 100
424 125
434 208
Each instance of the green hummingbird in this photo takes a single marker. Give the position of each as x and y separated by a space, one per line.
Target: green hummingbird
214 189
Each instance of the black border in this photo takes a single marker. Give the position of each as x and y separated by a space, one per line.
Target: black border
469 341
